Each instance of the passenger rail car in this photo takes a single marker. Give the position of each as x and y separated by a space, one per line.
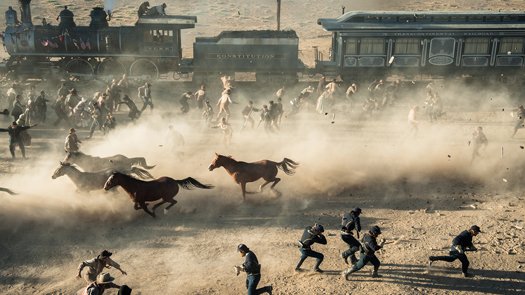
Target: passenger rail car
371 44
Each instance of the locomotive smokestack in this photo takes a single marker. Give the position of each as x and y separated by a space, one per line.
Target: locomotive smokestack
25 11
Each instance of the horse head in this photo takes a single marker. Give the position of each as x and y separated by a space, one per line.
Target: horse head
60 171
217 162
111 182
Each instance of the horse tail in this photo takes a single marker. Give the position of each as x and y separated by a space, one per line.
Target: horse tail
288 166
142 162
142 173
3 189
190 183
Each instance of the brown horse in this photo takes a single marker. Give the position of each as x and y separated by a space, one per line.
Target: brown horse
142 192
243 172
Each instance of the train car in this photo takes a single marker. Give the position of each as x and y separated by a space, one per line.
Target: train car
150 48
368 45
271 55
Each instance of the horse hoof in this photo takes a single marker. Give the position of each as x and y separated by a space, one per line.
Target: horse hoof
165 211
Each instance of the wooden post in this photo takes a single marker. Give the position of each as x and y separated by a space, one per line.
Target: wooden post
278 15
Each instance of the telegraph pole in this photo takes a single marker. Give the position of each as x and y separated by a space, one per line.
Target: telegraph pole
278 15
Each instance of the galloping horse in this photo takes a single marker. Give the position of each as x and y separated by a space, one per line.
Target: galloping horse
89 181
141 192
117 162
243 172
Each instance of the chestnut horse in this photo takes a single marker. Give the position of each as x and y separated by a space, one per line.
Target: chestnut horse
243 172
142 192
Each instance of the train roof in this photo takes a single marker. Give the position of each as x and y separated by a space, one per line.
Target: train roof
427 19
180 21
253 34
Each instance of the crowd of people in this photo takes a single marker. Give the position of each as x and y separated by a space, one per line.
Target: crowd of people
366 247
75 111
72 109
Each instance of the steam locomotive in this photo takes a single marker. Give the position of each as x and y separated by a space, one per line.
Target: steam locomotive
365 45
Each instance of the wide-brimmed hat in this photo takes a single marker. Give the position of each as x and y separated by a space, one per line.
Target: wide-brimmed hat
375 230
475 228
104 278
105 253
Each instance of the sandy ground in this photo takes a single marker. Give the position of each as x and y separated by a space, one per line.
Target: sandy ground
422 190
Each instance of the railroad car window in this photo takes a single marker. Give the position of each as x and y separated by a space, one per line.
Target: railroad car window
407 46
440 19
458 19
371 46
357 19
389 19
493 19
477 46
350 46
372 19
160 36
510 18
407 19
475 18
511 46
423 18
442 46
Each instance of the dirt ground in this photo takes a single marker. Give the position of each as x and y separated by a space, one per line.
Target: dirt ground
421 189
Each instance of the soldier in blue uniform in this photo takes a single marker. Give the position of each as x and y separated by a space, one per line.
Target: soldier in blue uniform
311 235
460 244
253 271
349 223
369 247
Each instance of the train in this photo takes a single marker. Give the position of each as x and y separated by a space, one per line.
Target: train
365 45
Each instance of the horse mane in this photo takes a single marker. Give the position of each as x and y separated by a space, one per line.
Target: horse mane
67 164
228 157
127 176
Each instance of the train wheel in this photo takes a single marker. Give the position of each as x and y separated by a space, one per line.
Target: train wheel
110 67
145 69
80 69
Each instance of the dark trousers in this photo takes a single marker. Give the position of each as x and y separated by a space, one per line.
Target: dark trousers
305 253
353 247
364 259
147 102
20 144
96 123
251 284
453 255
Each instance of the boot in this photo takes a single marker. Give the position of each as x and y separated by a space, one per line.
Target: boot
345 258
353 259
375 274
347 273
